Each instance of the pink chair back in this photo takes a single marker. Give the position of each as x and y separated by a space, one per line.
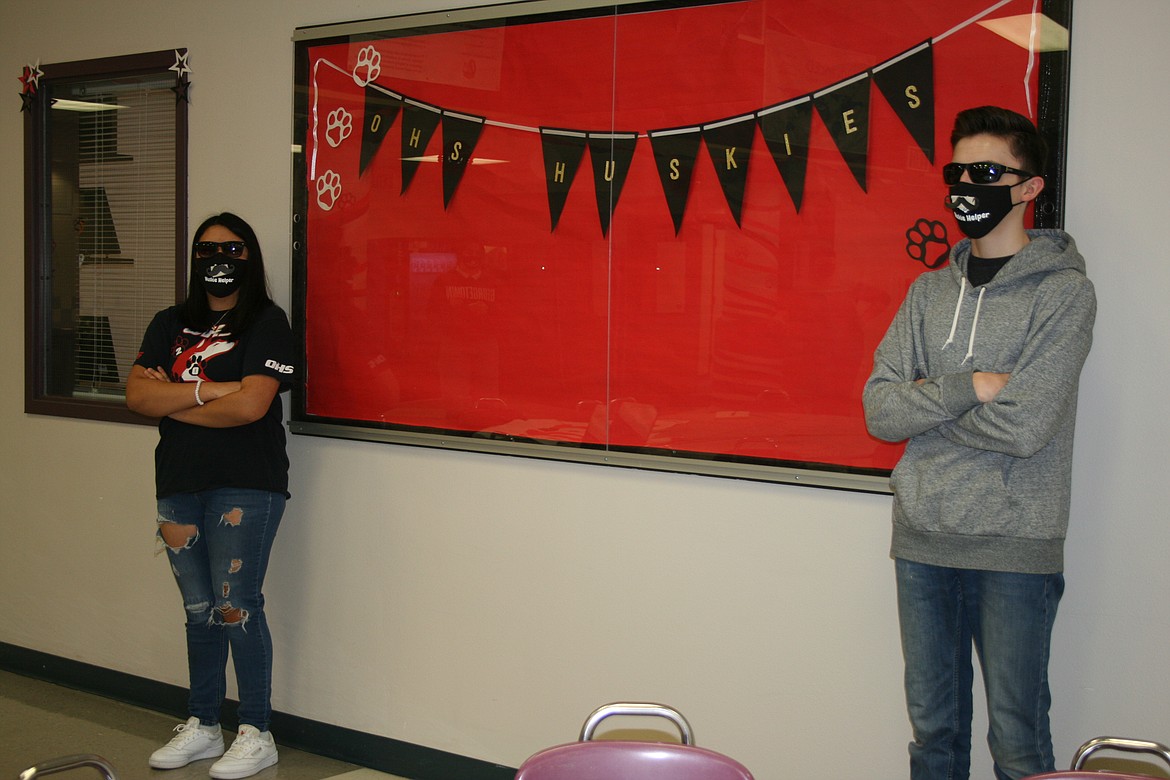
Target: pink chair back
590 759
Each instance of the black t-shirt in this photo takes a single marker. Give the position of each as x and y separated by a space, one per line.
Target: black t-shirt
192 457
981 270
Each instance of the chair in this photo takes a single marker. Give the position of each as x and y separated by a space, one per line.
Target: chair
1077 772
65 763
589 759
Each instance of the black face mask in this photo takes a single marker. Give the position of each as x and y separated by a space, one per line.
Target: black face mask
221 275
978 208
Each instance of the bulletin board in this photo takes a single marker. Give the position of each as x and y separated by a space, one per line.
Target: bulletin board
664 235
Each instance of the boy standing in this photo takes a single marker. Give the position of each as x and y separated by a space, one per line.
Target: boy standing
978 372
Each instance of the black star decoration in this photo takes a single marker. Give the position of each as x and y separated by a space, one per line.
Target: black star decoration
181 88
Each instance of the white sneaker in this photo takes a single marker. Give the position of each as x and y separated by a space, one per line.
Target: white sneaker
192 743
252 751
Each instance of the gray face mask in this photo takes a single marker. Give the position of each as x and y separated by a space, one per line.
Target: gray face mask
978 208
221 275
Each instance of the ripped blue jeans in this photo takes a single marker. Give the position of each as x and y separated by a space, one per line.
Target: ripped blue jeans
218 542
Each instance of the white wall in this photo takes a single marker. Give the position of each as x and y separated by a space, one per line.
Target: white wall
483 604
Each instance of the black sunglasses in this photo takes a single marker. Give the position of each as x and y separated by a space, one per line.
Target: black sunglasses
234 249
981 172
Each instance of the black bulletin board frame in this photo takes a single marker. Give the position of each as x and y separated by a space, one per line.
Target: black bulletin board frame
1051 116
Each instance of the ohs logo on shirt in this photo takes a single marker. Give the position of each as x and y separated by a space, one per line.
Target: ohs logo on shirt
279 367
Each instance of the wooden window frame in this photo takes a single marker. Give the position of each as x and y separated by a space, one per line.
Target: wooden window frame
37 219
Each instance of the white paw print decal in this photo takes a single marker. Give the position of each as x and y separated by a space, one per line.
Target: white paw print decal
338 126
369 65
328 190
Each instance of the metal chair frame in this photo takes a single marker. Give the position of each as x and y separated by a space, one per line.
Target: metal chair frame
65 763
1081 757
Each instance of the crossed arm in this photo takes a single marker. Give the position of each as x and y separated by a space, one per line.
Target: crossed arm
981 409
150 391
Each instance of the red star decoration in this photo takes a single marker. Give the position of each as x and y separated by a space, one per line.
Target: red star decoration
30 78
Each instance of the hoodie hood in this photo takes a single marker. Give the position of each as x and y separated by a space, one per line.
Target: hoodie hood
1048 251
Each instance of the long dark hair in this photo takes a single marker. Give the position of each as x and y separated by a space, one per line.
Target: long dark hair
254 293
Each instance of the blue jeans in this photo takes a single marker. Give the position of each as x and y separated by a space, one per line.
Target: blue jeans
1008 618
218 547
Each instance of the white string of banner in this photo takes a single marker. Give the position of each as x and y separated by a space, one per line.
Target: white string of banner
1031 58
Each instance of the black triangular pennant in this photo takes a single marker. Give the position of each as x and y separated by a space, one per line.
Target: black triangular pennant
844 109
419 121
381 111
563 150
786 129
610 154
675 152
460 134
907 82
729 143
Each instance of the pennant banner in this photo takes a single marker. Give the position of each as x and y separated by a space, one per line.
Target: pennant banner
610 154
563 150
907 82
786 129
419 121
729 143
460 134
675 152
844 109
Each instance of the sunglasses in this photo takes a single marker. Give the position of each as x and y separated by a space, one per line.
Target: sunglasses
981 172
234 249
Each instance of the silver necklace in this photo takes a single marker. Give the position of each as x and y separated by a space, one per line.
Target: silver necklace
215 324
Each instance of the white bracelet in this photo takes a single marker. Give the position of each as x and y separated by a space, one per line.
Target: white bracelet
198 400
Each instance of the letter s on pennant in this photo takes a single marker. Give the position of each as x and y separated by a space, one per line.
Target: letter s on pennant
912 99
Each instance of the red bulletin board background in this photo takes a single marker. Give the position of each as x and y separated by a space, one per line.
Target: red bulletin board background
743 341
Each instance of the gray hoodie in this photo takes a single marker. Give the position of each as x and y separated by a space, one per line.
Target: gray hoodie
985 485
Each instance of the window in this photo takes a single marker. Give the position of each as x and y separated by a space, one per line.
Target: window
105 223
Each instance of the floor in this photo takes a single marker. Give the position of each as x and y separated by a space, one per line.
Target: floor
40 721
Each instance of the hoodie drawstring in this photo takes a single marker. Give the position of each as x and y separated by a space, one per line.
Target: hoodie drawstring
974 323
958 306
974 326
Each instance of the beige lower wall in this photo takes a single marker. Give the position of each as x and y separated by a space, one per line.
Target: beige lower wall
485 604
